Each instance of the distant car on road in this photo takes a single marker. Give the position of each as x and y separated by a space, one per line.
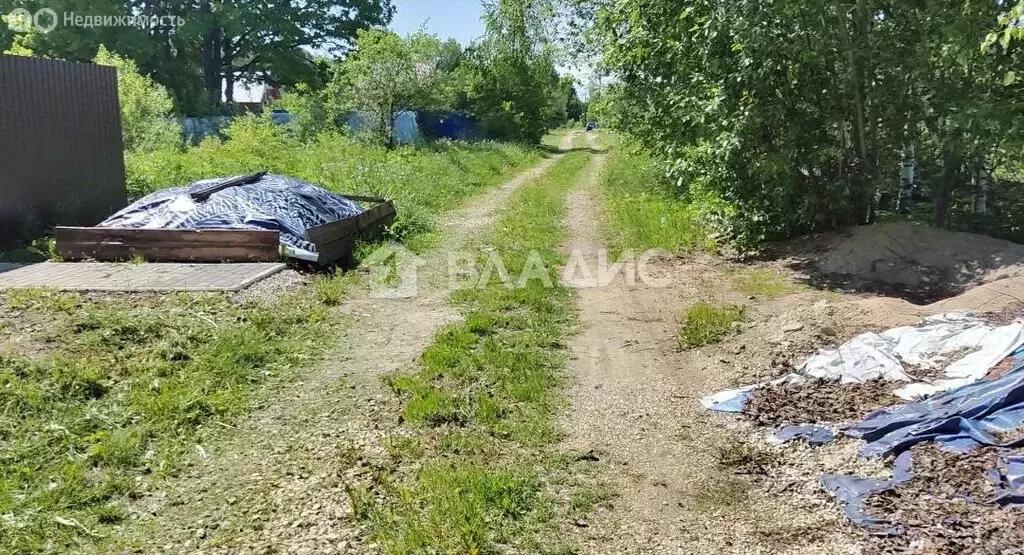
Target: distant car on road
591 125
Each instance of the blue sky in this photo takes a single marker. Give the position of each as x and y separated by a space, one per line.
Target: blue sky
457 19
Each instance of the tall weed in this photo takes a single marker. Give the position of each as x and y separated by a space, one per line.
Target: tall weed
644 212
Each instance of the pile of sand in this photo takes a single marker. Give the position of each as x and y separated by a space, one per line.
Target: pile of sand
1005 296
907 260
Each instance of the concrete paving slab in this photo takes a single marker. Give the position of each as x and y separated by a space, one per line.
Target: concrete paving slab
149 276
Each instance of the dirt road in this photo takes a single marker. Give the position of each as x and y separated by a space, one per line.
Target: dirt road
276 481
634 404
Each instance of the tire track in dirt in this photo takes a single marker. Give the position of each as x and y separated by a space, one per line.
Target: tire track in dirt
634 405
276 482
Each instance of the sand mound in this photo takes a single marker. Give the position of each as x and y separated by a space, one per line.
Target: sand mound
1003 296
915 262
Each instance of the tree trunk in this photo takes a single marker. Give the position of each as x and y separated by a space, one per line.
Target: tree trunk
858 68
391 118
228 67
211 60
907 178
944 192
981 177
861 191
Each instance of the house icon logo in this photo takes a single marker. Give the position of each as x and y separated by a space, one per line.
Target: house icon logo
393 272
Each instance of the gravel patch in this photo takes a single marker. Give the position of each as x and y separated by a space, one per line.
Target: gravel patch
270 289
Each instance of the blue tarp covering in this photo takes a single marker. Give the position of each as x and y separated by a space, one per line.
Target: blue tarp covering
961 419
814 435
273 202
852 491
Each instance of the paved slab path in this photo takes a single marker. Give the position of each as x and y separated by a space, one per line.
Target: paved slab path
105 276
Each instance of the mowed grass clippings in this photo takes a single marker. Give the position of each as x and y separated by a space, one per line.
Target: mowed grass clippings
98 395
481 401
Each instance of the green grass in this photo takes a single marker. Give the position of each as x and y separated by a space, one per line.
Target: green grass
101 395
643 212
580 141
705 323
763 282
39 250
585 499
553 140
482 399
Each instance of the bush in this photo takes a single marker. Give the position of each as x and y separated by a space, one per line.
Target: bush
309 112
643 209
147 120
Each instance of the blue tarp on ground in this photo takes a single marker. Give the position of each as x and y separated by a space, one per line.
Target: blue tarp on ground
852 491
958 420
272 202
961 419
814 435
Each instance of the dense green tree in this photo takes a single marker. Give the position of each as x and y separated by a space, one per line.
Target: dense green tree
147 121
510 76
218 41
386 75
797 115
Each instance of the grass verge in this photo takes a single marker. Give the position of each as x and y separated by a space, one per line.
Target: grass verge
100 394
763 282
480 403
705 323
642 210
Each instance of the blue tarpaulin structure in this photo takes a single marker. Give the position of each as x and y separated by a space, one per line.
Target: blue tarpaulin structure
269 202
957 417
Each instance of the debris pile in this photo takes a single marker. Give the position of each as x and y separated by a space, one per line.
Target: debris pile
817 402
944 507
943 401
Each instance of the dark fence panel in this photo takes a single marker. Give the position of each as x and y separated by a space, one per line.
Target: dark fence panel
61 152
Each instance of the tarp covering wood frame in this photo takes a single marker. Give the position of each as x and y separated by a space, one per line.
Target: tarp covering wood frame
269 202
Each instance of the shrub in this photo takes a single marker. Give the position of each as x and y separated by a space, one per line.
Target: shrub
644 211
308 110
147 121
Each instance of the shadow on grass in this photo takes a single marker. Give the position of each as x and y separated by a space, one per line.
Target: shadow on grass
549 150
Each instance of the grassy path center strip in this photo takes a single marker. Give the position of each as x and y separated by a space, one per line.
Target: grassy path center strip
478 408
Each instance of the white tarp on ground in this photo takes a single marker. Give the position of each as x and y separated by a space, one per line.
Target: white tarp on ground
901 354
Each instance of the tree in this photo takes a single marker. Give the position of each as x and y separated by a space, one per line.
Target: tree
385 76
220 41
510 78
798 115
245 41
147 122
